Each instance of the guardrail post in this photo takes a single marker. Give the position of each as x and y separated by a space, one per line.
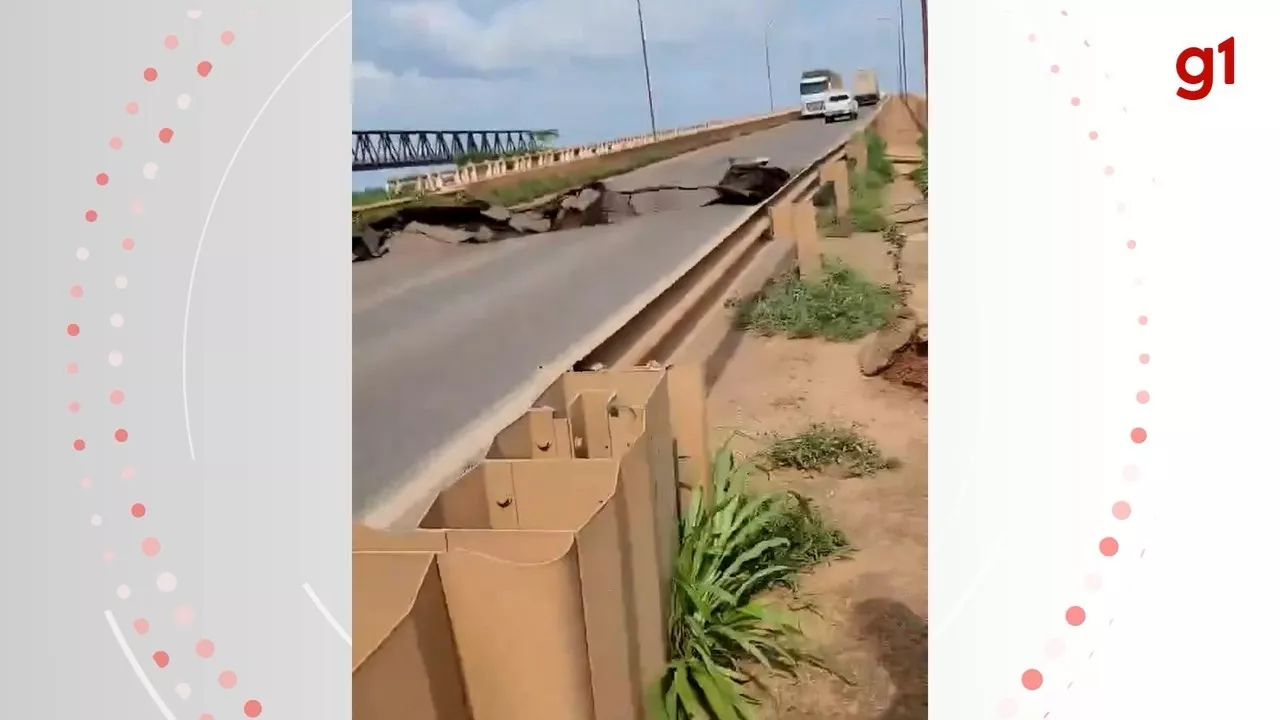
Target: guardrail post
797 221
780 221
836 172
804 223
856 151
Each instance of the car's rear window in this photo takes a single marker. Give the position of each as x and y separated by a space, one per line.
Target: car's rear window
837 98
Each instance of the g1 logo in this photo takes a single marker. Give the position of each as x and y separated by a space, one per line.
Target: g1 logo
1201 83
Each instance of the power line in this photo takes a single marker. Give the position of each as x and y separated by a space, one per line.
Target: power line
768 67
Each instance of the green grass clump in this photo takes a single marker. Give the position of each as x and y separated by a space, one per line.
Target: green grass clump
824 446
842 306
866 198
730 551
532 189
371 195
866 201
920 175
810 540
878 164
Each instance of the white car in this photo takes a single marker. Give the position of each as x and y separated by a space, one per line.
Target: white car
839 106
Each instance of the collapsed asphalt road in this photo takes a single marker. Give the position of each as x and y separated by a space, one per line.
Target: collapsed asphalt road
478 222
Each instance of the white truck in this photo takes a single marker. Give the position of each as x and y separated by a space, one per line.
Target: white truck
866 88
814 87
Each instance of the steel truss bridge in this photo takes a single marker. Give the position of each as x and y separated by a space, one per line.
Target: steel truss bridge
389 149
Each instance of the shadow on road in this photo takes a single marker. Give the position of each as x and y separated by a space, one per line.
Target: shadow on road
900 640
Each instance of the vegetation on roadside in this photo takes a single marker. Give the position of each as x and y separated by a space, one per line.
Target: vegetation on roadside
920 175
841 306
371 195
822 447
866 194
894 236
533 188
810 540
735 544
866 198
878 164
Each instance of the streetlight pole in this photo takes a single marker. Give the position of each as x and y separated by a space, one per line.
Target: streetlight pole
648 83
768 67
902 46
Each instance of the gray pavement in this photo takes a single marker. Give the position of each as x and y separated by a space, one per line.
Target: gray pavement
442 334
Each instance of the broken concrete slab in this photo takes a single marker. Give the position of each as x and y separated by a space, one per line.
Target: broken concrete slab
444 234
497 213
527 222
417 228
879 351
583 208
368 244
583 200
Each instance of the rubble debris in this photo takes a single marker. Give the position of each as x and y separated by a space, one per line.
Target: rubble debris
450 235
881 349
529 223
417 228
476 221
497 213
751 183
368 244
910 367
581 209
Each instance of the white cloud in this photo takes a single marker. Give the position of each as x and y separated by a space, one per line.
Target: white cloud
532 32
584 105
413 100
364 70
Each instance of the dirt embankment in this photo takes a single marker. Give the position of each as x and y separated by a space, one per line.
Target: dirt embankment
870 620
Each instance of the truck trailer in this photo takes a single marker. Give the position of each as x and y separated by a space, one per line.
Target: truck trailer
866 88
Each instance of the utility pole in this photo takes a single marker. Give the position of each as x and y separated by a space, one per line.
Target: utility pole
768 67
648 83
924 27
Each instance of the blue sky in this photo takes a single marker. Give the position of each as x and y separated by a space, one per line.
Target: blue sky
575 65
